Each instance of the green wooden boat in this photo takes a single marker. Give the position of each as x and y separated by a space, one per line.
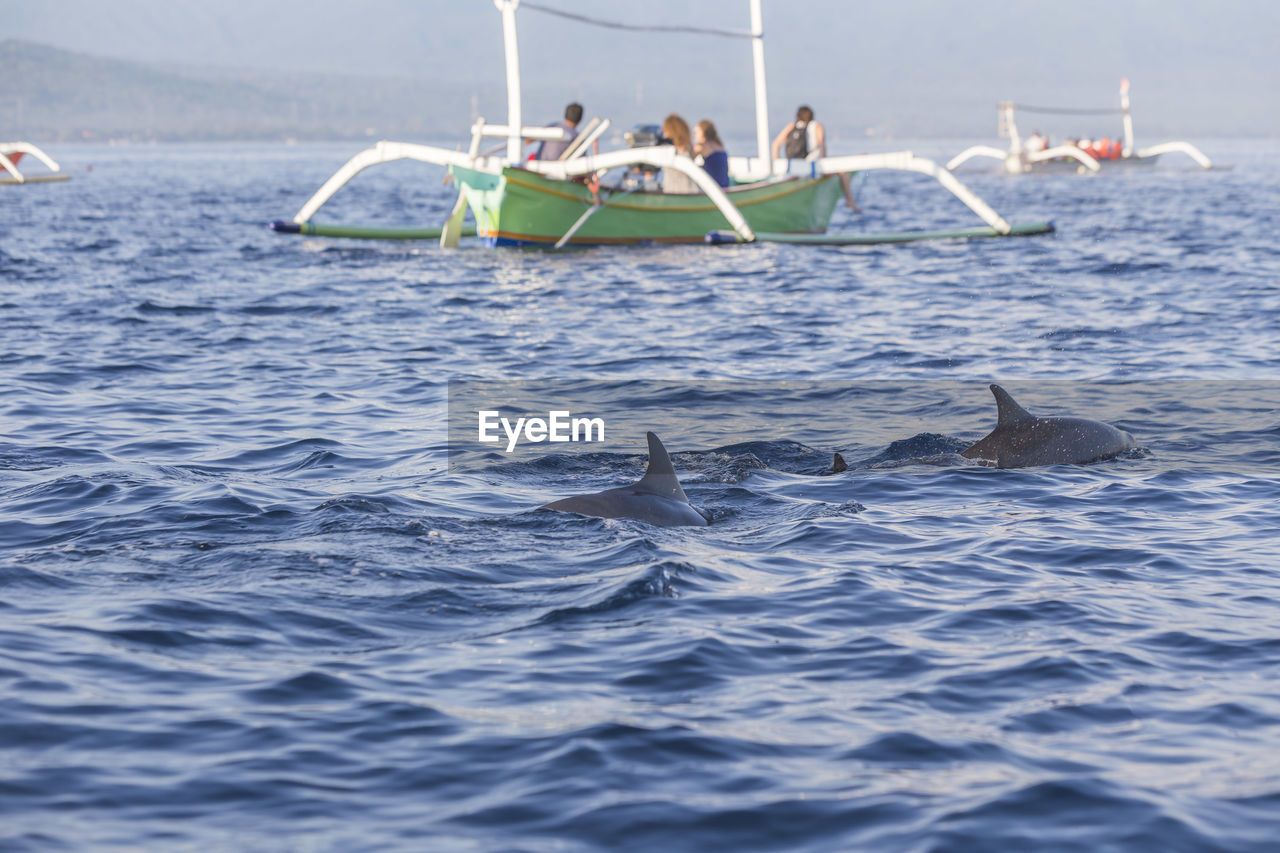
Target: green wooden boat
523 208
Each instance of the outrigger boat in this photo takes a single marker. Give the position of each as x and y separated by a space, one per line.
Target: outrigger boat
518 202
11 153
1085 156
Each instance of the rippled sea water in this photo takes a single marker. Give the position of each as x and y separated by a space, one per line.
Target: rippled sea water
247 603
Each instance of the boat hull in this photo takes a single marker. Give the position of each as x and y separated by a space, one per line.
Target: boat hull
522 208
1065 164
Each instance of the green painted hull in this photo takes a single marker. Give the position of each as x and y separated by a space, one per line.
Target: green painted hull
521 208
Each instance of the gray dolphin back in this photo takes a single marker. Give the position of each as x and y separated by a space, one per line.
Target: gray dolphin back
1021 440
657 498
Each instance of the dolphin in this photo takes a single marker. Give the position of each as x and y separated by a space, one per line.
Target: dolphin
1020 439
657 498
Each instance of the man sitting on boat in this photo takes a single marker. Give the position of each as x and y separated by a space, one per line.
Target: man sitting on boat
552 149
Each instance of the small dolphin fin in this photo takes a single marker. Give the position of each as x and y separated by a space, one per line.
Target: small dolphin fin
660 477
838 464
1007 410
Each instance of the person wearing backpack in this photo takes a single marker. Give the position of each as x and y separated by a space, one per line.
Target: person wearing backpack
806 139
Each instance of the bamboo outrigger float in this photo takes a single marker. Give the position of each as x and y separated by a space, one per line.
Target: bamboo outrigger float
11 153
1024 156
517 202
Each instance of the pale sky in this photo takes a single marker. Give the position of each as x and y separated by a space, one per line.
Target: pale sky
909 66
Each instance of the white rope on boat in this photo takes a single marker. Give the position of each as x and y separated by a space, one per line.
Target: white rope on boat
653 28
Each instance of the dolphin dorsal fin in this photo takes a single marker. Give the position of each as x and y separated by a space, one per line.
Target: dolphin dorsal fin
660 477
1007 409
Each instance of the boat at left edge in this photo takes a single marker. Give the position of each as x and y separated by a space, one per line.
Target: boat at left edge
11 154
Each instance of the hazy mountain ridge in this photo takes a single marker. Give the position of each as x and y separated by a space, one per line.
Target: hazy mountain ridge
57 95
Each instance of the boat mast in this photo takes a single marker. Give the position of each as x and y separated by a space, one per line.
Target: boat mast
762 104
1128 119
515 147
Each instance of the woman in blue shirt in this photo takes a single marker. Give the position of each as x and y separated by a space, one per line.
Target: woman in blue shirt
709 152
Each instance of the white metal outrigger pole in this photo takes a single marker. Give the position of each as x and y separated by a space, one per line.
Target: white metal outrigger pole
762 100
515 146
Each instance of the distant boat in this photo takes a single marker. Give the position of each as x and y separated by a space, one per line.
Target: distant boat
1080 155
519 202
11 153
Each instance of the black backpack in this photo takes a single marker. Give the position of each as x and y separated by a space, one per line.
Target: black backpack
797 147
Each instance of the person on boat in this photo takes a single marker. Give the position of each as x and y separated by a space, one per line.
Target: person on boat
1037 142
806 139
676 131
709 153
803 139
552 149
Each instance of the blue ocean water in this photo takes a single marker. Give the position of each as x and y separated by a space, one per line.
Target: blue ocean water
247 603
